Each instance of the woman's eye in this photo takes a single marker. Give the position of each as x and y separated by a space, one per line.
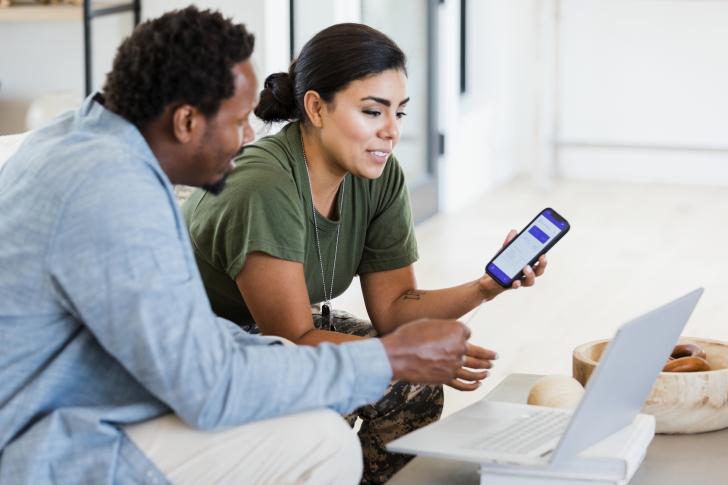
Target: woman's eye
372 112
401 115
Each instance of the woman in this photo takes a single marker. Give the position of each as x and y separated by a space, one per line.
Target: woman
323 200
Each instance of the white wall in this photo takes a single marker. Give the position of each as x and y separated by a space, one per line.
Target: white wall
595 89
642 90
267 19
42 57
491 131
314 15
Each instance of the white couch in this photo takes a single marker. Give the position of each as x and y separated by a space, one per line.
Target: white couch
9 144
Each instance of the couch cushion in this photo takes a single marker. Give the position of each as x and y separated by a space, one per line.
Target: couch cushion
9 144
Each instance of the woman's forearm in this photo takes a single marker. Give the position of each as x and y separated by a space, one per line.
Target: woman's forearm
453 302
315 336
392 298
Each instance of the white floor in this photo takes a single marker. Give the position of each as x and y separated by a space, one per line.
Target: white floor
631 248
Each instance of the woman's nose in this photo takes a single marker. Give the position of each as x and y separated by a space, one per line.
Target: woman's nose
390 131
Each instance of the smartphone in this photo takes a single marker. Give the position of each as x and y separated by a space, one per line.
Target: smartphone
534 240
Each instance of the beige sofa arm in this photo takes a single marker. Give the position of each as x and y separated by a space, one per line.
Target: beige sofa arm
9 144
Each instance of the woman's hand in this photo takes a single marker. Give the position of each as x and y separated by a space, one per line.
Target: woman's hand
490 289
468 377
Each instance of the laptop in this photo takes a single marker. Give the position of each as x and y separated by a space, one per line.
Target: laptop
522 434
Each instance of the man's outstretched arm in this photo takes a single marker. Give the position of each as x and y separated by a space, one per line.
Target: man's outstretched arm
121 265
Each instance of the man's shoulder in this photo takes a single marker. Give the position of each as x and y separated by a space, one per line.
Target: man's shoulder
65 161
69 146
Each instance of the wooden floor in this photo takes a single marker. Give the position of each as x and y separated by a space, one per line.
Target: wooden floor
631 248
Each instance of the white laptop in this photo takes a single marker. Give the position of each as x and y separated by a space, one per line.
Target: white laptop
510 433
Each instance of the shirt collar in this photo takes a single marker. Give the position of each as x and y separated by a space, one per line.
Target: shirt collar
95 117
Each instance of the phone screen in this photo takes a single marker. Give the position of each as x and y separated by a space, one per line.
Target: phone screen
534 240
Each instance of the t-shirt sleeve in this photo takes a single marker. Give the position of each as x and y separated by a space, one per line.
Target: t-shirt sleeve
260 211
390 239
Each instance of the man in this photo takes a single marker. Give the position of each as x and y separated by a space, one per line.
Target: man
111 358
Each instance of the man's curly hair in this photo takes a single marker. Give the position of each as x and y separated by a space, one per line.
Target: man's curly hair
184 56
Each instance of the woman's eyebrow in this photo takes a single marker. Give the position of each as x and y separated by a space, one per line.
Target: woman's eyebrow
383 101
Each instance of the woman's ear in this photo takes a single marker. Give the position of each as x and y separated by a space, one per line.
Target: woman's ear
186 121
314 106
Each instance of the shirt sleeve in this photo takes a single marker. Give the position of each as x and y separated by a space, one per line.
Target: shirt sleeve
120 263
390 239
259 211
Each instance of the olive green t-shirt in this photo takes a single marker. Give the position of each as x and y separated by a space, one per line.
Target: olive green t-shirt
266 206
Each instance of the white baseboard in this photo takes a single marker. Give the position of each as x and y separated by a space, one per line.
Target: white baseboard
633 164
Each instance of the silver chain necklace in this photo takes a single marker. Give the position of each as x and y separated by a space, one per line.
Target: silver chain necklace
328 295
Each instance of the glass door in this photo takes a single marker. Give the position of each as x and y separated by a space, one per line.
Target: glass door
412 25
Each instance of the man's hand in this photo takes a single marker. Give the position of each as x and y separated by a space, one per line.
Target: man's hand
427 351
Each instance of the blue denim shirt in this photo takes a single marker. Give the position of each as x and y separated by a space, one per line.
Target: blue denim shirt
104 320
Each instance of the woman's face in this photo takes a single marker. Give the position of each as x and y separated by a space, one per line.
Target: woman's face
362 124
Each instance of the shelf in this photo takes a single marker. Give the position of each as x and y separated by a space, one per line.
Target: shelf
83 14
49 13
41 13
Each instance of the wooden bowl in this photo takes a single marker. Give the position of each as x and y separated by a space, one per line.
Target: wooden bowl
682 402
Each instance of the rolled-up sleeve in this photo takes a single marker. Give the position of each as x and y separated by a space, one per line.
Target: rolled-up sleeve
121 264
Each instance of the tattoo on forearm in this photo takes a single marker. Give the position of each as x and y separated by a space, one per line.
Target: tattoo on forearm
413 295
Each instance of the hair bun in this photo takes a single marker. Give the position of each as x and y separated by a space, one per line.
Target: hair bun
277 102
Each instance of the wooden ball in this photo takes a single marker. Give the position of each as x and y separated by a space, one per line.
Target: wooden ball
556 391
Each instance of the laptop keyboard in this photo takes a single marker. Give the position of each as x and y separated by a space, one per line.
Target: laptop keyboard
527 434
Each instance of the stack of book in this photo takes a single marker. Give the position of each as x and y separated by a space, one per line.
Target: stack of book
612 461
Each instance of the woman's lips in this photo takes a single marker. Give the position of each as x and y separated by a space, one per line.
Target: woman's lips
380 156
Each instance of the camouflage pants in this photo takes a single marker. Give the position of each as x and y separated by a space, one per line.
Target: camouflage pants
405 407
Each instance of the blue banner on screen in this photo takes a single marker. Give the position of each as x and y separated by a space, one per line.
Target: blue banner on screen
526 246
539 234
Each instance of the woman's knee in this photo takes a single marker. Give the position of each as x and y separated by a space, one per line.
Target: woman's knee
414 400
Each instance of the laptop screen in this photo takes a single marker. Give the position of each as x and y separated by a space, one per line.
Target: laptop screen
625 375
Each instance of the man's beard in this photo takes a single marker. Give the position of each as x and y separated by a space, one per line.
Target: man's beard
218 186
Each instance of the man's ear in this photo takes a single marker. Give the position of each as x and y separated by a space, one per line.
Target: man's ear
314 106
186 122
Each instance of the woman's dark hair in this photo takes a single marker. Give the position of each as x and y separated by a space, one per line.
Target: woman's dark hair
184 56
327 63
